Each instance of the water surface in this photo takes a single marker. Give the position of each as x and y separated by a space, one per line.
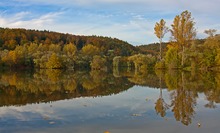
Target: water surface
53 101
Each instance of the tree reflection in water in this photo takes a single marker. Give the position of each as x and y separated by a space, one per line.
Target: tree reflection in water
161 106
184 88
18 88
21 88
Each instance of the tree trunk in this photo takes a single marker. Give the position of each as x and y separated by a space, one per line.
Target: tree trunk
183 56
161 87
160 49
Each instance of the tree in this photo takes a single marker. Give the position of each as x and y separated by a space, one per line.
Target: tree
9 58
98 63
32 49
217 58
210 32
183 32
54 48
161 106
21 52
54 62
211 42
160 30
171 58
140 61
11 44
69 49
90 50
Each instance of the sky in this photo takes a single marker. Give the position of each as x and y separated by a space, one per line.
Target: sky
129 20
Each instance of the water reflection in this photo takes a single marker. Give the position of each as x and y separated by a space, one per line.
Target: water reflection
184 88
19 88
178 92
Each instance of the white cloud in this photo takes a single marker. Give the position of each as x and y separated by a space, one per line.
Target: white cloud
19 16
21 113
18 20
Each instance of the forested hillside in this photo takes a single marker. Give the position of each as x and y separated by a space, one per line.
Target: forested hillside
152 48
46 49
10 38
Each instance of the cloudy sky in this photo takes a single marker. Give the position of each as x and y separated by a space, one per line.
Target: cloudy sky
129 20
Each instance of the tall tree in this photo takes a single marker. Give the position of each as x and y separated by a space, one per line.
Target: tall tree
210 32
183 32
160 30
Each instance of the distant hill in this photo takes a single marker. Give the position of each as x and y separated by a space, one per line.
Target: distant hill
10 38
153 48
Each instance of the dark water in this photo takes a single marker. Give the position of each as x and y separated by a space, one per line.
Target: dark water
53 101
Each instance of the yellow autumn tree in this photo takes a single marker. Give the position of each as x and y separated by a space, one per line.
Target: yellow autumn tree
160 30
20 53
90 50
54 62
183 32
32 49
69 55
69 49
9 58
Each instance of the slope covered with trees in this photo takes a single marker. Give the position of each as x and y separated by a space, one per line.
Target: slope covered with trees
10 38
153 48
45 49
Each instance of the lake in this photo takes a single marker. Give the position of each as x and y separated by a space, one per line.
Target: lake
54 101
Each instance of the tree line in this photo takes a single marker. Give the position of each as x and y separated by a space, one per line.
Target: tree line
52 50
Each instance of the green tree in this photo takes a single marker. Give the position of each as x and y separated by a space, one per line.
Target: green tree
54 48
183 32
160 30
140 61
98 63
211 42
116 61
211 49
217 58
172 58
